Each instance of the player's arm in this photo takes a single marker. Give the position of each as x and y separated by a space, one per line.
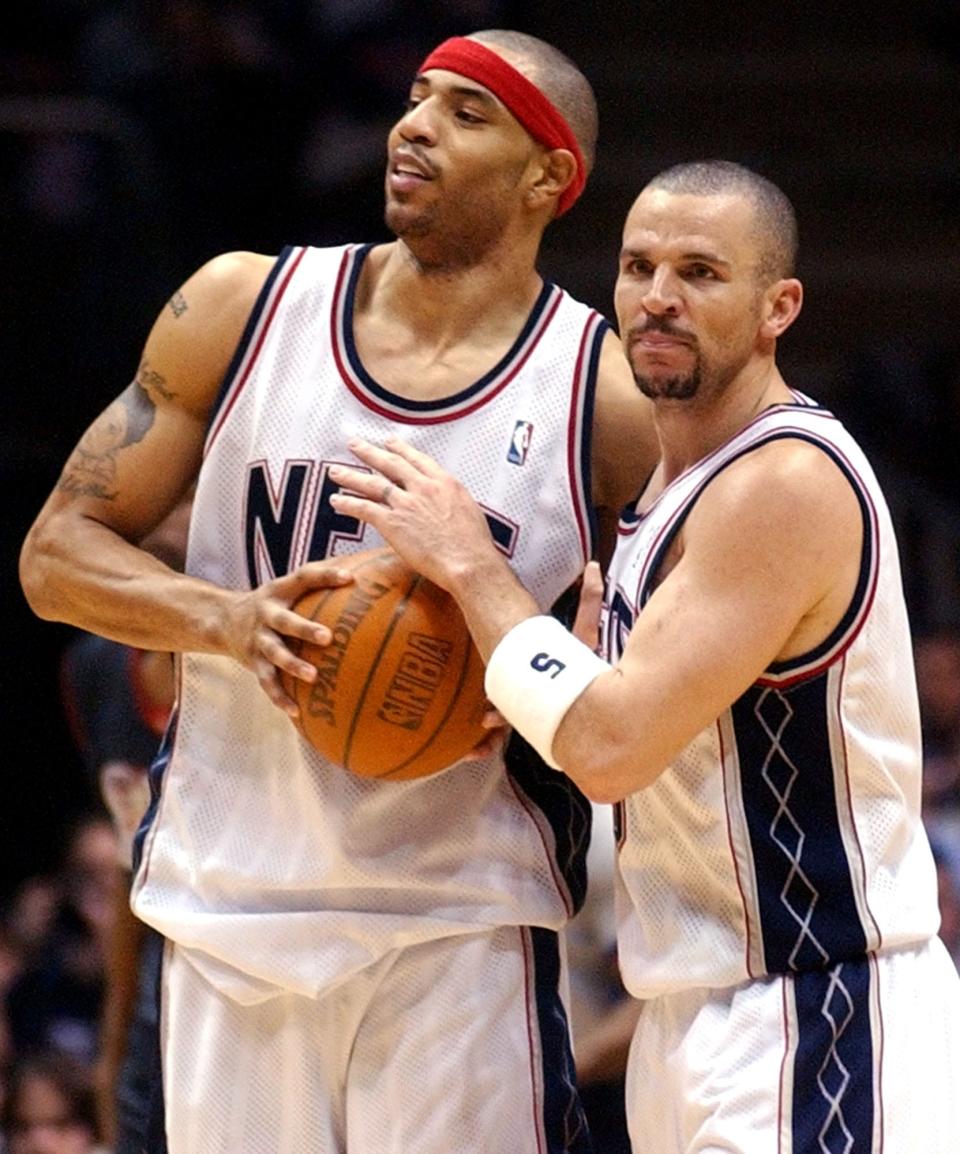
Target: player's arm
766 565
625 449
80 562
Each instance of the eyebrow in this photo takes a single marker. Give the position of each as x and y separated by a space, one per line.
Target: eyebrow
466 90
706 257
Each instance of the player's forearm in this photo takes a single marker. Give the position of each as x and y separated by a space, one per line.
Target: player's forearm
78 572
492 601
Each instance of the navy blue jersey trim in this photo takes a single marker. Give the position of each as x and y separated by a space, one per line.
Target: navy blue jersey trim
547 291
566 809
158 768
833 1071
586 439
807 907
248 330
564 1121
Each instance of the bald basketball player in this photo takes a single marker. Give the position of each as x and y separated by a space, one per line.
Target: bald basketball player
754 715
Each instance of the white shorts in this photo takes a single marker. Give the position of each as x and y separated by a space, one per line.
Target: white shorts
453 1045
861 1059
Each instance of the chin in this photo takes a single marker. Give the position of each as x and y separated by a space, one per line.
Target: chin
406 222
668 388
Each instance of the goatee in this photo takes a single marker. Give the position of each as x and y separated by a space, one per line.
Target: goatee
673 388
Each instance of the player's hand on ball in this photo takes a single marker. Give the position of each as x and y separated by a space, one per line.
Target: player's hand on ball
262 620
399 691
424 512
498 730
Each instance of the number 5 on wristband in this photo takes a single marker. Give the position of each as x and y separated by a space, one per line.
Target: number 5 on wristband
535 674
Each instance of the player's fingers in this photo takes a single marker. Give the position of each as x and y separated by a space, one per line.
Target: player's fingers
488 746
586 625
371 512
421 461
311 575
393 466
397 459
266 668
361 482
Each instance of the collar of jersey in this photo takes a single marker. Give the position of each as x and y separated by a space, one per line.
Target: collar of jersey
390 404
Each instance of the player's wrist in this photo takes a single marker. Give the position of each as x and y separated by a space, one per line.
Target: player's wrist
474 576
535 674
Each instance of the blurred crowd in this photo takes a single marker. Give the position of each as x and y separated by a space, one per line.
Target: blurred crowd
152 134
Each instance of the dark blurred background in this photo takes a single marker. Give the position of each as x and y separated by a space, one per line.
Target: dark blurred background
138 138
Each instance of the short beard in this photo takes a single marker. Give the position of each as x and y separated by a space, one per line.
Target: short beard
437 252
403 226
673 388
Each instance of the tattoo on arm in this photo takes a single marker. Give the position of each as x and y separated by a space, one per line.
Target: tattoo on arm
91 470
178 304
148 378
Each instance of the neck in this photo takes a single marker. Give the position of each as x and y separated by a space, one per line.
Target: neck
691 429
444 301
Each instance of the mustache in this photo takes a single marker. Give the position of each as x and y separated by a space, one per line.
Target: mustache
415 154
658 325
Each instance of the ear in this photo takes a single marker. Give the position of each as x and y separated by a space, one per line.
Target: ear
551 173
782 303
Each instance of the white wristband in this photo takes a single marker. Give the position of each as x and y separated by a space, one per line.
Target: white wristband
535 674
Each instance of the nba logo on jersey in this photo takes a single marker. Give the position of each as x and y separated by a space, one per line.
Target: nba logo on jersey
520 442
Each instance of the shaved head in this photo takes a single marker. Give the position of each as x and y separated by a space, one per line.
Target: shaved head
774 217
557 77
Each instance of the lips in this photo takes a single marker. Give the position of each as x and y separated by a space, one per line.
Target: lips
655 339
405 164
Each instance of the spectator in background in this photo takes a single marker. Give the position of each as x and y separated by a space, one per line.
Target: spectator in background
25 919
937 659
947 858
55 1002
29 915
50 1108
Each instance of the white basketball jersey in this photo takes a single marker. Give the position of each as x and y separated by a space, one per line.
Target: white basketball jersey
787 836
276 867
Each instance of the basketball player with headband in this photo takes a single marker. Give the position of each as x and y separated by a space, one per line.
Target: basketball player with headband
372 967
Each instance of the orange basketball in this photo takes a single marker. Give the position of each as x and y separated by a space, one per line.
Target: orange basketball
399 691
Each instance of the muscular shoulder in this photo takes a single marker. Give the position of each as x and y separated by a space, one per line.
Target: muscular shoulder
625 447
197 331
787 475
784 517
230 281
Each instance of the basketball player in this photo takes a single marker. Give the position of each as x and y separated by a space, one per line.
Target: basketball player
371 966
755 718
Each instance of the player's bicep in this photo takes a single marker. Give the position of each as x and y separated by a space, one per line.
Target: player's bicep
140 454
768 563
132 463
762 571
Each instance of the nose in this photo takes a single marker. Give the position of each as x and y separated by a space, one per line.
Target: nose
418 123
660 297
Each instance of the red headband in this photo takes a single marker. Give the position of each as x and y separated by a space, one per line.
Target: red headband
535 112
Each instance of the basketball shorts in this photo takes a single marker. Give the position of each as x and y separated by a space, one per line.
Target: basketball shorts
453 1045
861 1059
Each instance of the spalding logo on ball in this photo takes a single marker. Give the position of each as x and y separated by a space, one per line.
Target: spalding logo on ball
399 690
